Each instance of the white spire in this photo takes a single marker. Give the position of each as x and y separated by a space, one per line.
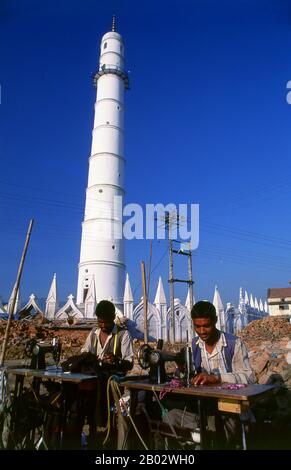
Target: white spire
242 311
266 307
187 301
90 301
17 302
91 294
128 297
52 295
217 302
2 310
229 318
160 297
246 298
252 304
261 305
256 303
52 300
238 324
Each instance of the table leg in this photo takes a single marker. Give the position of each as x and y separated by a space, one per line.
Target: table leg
243 435
202 421
132 410
18 388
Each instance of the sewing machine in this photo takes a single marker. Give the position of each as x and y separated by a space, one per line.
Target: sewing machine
155 360
37 350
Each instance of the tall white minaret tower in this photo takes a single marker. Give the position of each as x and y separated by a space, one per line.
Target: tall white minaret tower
102 253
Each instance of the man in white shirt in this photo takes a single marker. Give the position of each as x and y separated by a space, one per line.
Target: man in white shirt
217 357
112 346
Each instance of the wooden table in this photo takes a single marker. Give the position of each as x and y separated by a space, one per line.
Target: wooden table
228 400
51 373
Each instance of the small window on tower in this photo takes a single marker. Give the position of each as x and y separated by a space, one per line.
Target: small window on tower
107 122
105 45
100 190
85 292
113 247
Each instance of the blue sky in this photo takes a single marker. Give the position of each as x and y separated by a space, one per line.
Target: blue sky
207 122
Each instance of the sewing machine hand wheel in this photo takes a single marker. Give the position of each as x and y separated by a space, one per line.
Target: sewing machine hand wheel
143 356
29 346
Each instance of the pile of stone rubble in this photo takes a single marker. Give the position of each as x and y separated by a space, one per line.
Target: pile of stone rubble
22 331
269 344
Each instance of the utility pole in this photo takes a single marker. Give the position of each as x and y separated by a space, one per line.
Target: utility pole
172 280
190 277
145 302
171 286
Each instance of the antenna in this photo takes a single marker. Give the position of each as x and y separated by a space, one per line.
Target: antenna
114 23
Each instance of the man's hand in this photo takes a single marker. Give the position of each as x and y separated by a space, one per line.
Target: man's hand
205 379
110 359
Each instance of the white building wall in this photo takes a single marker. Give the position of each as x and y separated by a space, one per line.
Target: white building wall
274 310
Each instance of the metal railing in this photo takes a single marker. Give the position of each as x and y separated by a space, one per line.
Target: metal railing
112 68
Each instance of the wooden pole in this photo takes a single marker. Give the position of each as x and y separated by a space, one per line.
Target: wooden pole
14 293
145 301
150 268
190 277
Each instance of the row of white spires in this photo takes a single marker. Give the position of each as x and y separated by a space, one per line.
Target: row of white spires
230 319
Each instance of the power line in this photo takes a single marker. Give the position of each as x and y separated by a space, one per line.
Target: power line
153 270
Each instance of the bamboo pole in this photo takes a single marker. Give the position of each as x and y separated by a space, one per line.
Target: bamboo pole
14 293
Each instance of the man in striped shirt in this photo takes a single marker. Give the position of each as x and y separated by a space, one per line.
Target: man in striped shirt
222 357
217 357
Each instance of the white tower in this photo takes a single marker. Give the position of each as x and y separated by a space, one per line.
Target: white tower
102 252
